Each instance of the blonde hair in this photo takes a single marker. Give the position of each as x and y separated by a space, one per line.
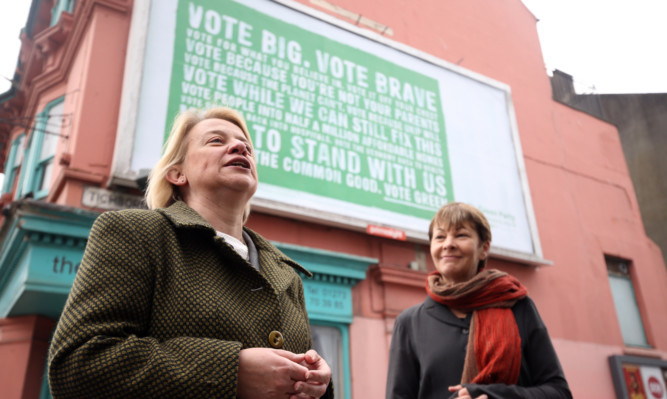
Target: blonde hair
456 214
159 192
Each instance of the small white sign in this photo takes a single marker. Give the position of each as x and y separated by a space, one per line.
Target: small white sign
653 382
95 197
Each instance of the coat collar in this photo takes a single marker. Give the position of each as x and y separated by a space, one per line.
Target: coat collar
442 313
184 217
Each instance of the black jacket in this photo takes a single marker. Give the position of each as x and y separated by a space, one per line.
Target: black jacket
428 348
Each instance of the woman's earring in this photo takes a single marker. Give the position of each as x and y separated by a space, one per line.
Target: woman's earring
181 180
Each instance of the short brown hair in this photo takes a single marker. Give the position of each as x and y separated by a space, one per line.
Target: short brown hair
456 214
160 193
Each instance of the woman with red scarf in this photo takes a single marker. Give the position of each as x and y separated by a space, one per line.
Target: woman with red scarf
477 334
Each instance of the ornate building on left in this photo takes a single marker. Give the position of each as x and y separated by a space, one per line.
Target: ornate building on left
58 109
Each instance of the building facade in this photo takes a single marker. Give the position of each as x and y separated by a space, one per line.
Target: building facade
365 120
641 121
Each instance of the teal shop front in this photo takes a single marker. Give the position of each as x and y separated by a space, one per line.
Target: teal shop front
42 246
329 304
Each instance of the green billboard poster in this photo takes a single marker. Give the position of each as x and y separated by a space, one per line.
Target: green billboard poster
326 118
350 128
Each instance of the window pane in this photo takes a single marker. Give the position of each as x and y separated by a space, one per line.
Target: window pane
18 151
52 130
45 175
627 311
327 341
59 7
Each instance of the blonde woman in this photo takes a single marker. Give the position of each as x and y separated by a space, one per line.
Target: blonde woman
182 300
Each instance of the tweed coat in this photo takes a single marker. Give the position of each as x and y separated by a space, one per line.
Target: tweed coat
161 307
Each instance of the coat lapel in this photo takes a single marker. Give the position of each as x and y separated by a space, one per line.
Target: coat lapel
273 263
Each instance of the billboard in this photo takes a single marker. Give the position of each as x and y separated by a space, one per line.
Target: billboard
349 128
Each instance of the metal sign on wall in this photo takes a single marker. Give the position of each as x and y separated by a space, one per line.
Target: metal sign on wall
637 377
348 127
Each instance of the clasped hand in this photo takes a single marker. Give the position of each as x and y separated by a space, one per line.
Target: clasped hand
274 373
462 393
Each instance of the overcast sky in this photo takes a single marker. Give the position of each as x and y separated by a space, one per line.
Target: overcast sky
13 15
613 46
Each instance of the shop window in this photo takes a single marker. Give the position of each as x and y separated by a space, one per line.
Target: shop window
59 7
45 392
14 160
625 302
43 142
328 295
328 342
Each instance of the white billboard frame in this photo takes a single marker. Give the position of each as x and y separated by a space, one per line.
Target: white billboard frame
124 174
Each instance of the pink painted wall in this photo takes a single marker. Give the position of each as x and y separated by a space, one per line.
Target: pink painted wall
23 346
93 98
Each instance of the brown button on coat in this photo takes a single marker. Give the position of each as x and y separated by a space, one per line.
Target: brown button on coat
161 307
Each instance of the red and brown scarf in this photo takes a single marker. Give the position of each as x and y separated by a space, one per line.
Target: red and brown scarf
494 345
